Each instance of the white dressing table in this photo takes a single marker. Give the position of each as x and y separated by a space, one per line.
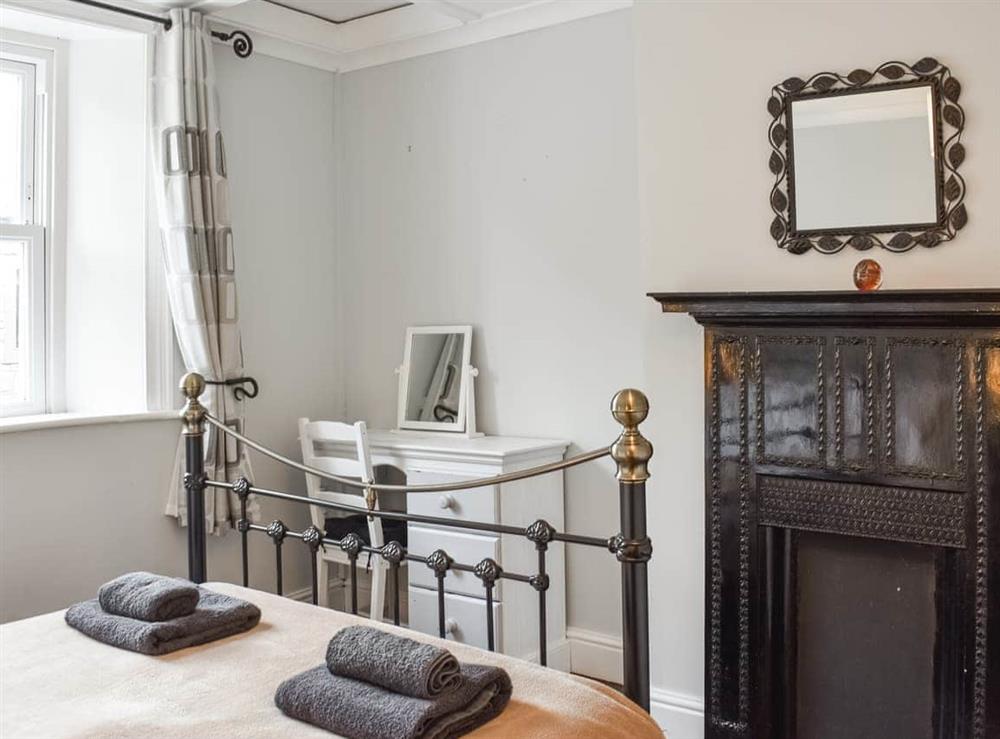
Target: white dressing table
438 457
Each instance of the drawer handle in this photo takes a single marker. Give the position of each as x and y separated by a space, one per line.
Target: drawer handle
446 501
450 626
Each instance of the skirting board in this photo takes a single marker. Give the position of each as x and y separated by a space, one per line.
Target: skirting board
680 716
600 656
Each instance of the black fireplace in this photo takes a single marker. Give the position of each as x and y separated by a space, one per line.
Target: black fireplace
852 514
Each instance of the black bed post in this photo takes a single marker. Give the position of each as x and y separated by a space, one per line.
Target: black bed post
633 548
193 416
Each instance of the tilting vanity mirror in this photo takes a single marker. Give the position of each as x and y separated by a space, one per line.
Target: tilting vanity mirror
435 381
867 159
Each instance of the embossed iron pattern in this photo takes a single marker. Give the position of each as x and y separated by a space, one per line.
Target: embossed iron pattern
868 390
762 456
950 122
905 512
715 543
958 472
981 502
896 514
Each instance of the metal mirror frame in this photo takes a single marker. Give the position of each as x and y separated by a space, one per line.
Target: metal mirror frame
949 154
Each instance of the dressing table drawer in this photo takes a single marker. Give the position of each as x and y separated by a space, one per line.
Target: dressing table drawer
465 618
461 547
478 504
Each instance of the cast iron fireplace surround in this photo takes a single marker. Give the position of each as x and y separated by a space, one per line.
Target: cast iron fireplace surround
852 458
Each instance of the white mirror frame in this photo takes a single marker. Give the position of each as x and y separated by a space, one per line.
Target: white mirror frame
465 421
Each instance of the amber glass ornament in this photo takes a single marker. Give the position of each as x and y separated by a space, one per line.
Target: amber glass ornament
868 275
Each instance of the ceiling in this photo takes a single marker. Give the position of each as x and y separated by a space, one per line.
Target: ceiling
391 29
340 11
342 35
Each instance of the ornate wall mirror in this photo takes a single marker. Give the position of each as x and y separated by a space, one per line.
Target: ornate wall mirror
435 381
867 159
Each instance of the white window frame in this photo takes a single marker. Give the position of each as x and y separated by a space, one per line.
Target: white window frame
163 363
34 236
37 66
28 71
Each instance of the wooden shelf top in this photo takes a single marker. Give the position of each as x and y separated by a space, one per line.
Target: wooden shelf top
965 307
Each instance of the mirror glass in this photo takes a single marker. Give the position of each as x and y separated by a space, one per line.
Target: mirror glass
864 160
434 384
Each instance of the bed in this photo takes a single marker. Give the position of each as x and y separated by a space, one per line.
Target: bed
60 683
56 682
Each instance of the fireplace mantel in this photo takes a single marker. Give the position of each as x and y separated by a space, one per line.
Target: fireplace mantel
852 516
969 307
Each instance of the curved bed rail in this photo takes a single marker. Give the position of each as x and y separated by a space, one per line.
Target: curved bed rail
631 546
445 487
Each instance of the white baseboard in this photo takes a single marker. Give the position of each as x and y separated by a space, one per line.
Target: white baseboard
680 716
559 656
595 655
600 655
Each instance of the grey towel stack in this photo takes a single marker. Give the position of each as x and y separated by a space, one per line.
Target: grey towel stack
376 685
393 662
148 597
143 595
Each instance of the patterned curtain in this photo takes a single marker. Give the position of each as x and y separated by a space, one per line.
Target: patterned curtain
192 193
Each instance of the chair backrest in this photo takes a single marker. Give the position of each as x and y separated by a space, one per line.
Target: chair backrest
358 466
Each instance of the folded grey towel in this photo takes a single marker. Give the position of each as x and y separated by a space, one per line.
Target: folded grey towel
359 710
396 663
216 616
148 597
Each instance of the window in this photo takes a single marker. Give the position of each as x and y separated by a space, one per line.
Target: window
23 77
84 322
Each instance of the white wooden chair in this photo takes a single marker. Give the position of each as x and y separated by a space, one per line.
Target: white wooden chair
311 432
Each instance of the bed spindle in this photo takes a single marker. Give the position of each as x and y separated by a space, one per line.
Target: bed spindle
632 547
440 562
313 538
543 580
489 572
351 544
541 533
277 531
242 489
393 554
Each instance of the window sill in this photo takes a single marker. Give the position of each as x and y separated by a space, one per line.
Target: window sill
14 424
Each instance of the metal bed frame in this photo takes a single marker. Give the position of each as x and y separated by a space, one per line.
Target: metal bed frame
632 547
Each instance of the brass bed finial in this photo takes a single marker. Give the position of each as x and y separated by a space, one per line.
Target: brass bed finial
193 415
631 451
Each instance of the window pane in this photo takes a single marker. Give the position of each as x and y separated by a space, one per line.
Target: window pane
15 350
12 97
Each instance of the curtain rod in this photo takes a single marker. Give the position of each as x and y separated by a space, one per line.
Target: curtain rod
242 44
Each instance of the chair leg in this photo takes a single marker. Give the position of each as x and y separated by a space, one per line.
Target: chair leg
379 581
323 576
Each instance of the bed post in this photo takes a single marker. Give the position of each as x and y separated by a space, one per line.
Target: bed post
193 416
632 547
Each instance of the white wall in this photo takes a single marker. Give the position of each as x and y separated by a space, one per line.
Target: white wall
496 185
105 224
703 73
81 505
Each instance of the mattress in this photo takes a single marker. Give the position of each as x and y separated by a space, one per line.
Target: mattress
56 682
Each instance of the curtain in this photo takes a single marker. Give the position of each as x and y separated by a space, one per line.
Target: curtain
192 192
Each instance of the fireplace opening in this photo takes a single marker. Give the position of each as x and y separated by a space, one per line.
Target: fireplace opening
865 627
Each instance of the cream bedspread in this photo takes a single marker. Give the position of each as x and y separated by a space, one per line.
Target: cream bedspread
56 682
